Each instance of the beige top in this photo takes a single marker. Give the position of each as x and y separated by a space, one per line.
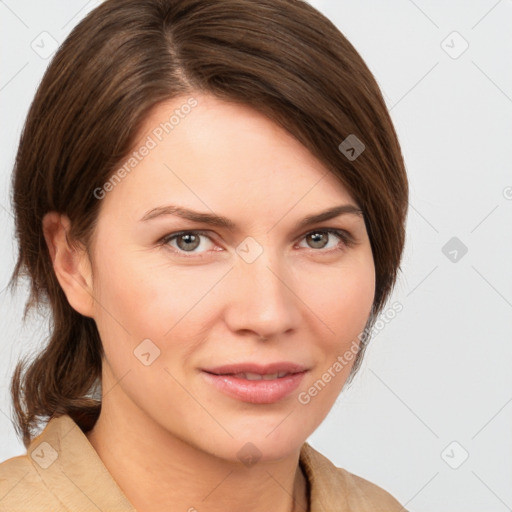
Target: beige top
62 472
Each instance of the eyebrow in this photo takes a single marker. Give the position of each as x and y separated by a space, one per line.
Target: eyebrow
223 222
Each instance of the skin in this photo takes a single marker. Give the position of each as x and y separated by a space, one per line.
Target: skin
163 423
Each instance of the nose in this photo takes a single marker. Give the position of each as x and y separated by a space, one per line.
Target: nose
261 298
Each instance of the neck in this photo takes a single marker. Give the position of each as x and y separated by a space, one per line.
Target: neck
157 470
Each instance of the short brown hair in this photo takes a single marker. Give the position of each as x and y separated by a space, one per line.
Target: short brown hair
281 57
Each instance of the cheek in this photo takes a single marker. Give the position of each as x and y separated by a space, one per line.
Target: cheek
149 295
356 299
342 307
342 298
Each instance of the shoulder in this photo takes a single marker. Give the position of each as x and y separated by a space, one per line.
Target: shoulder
14 470
59 472
334 488
369 493
21 486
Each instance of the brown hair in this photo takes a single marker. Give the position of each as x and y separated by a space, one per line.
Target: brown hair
281 57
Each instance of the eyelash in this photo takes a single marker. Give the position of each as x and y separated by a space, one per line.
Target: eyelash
346 238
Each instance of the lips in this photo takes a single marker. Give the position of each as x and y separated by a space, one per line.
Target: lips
256 383
256 371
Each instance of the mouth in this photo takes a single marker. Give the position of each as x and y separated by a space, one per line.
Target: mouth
257 371
257 384
256 376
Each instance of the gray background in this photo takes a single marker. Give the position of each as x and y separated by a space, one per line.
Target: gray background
436 385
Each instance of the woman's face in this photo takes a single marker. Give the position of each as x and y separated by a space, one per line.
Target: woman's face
261 287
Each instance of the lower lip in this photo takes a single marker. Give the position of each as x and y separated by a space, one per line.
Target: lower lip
256 391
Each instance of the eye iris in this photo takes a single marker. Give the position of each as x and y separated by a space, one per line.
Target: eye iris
315 236
188 238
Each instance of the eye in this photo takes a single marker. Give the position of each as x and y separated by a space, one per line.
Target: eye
319 238
188 241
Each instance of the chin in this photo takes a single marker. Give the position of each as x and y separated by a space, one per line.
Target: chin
258 443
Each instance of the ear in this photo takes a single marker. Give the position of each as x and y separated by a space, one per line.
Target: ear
70 263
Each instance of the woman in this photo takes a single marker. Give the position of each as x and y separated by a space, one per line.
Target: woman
189 378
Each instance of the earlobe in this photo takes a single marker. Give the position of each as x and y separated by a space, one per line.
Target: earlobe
70 263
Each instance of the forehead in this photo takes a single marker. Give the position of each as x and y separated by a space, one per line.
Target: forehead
208 154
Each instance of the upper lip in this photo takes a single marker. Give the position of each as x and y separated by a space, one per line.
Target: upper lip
262 369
